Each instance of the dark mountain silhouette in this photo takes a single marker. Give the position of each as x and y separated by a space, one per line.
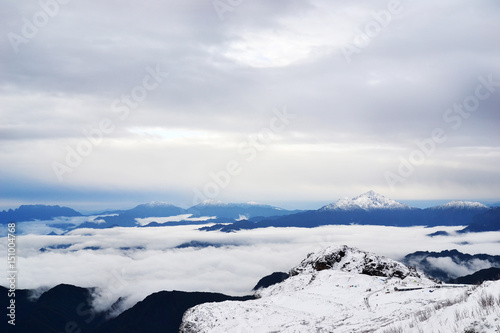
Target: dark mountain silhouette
387 217
487 221
35 212
439 233
198 244
489 274
237 210
271 279
428 262
66 308
161 312
60 309
23 307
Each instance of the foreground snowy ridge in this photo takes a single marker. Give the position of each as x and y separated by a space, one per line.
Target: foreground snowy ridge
343 289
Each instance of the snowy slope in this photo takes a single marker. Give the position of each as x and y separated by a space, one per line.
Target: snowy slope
339 299
367 201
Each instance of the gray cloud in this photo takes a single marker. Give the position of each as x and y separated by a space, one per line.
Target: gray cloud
224 79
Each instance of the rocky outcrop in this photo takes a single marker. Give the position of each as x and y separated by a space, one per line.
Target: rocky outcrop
352 260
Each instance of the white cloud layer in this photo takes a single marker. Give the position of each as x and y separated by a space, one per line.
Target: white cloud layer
135 262
456 270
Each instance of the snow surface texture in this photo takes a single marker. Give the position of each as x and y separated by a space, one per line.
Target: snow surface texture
367 201
339 299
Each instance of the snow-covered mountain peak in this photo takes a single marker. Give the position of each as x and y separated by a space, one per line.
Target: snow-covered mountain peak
462 205
353 260
216 203
366 201
211 202
157 204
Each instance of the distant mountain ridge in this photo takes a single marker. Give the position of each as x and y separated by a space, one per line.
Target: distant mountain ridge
35 212
369 208
127 218
237 210
217 212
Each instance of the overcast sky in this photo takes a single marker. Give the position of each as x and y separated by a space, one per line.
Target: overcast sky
284 102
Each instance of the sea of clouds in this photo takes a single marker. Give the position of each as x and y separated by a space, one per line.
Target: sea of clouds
132 263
